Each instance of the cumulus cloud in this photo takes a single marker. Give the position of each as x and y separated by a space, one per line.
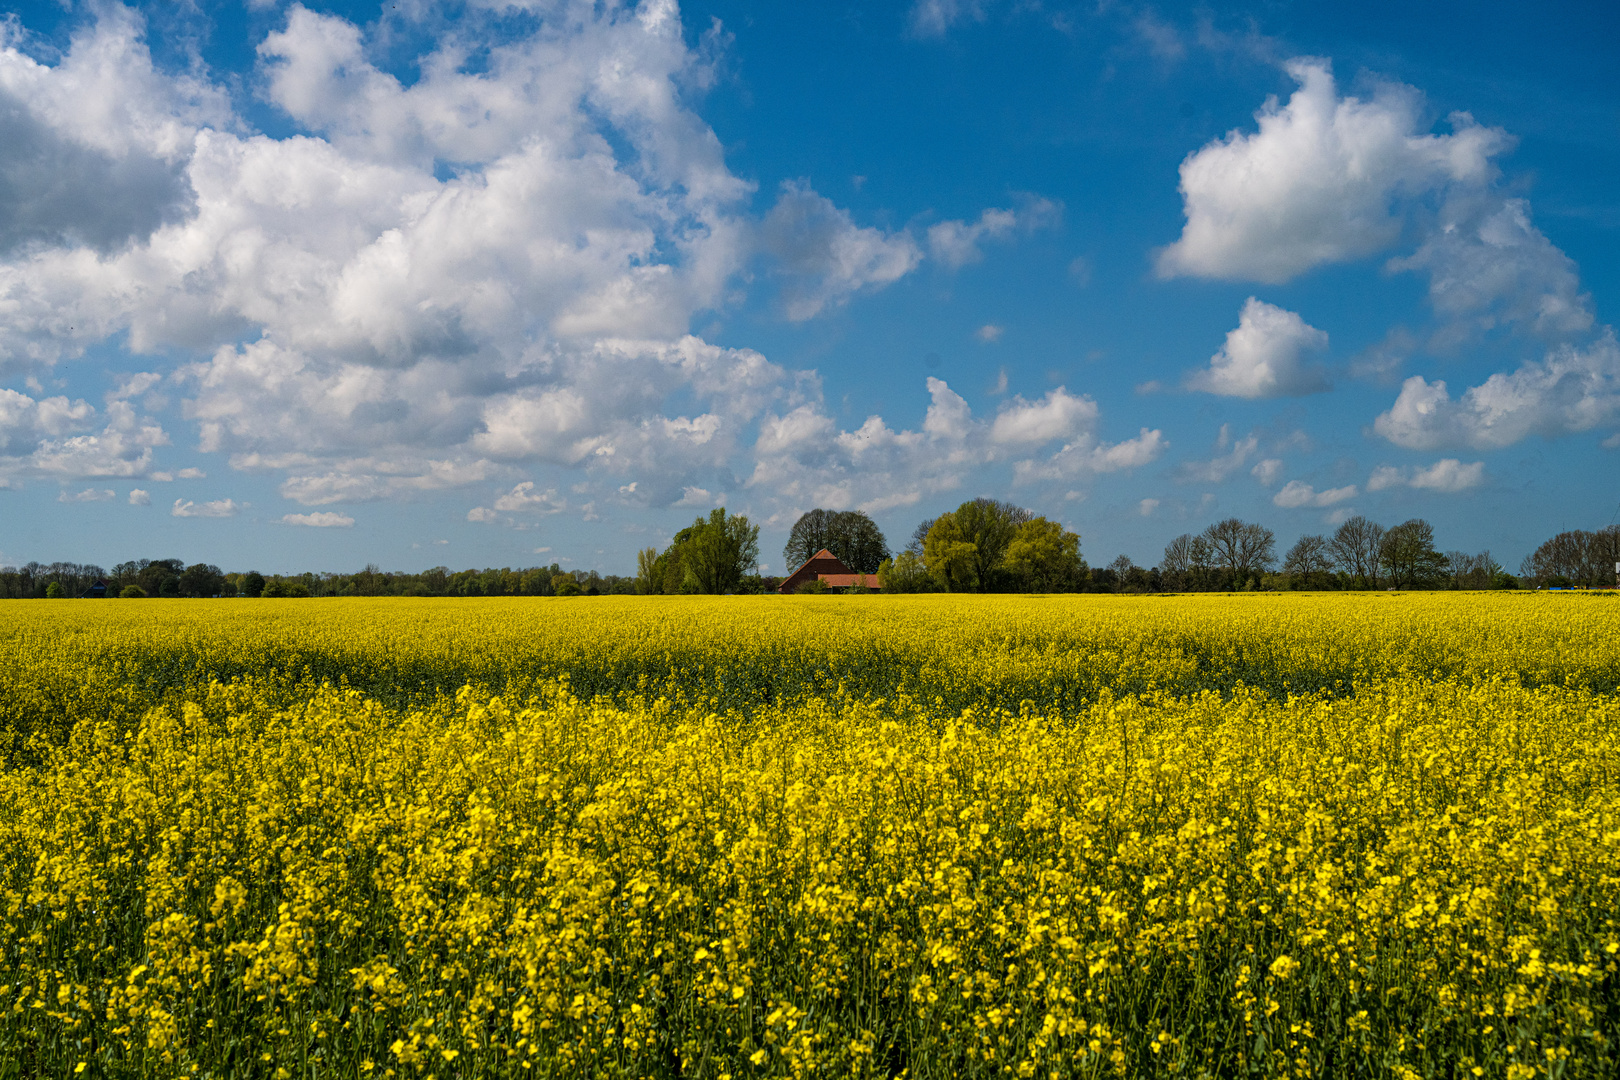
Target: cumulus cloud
1147 506
323 520
1573 389
87 495
140 497
827 257
1264 356
957 243
805 459
1318 182
1445 475
219 508
481 514
1236 454
1297 493
1267 471
1489 266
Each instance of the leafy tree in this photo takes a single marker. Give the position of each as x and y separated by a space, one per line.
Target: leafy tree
1407 552
132 592
251 583
1045 556
950 557
565 585
717 552
648 579
852 537
1355 546
201 579
54 591
905 573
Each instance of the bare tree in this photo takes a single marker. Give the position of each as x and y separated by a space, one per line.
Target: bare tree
1308 559
1178 555
1355 547
1578 557
1407 552
1241 547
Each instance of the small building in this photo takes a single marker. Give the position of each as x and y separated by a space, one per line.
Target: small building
98 591
830 569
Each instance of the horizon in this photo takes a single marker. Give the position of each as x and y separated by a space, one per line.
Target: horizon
286 286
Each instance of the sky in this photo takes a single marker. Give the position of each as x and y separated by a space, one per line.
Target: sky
308 286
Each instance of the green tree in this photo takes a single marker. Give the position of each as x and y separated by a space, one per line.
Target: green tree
1044 556
852 537
971 541
713 554
905 573
950 557
648 579
54 591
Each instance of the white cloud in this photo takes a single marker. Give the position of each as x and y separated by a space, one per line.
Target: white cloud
1059 415
804 459
1147 506
1445 475
87 495
524 498
956 243
325 520
696 496
1218 468
1489 266
828 257
192 474
1573 389
989 333
932 18
219 508
481 513
1262 358
140 497
1318 182
1267 471
1297 493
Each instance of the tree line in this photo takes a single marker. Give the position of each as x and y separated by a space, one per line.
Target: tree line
984 545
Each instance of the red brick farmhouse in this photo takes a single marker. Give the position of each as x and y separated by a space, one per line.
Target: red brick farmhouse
826 566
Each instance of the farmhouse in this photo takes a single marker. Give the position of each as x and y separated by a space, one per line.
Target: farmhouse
826 566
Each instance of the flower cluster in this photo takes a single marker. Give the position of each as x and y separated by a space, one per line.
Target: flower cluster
1220 837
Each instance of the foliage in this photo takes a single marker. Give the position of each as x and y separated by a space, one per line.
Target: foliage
1043 556
1358 835
966 548
852 537
905 573
54 591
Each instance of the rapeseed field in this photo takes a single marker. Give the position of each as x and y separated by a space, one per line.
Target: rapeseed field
1223 836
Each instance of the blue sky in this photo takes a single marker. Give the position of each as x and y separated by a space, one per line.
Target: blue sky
293 286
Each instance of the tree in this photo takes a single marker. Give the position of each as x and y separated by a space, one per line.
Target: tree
717 552
201 579
919 536
985 525
905 573
1045 557
852 537
1355 547
1240 547
949 556
1309 559
1178 555
251 583
647 576
1407 552
54 591
1578 557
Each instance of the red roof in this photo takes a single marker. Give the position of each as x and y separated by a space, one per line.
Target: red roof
829 568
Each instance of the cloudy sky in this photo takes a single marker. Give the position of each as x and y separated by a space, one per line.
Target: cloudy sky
296 286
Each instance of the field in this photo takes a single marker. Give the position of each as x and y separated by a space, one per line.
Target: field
1259 835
